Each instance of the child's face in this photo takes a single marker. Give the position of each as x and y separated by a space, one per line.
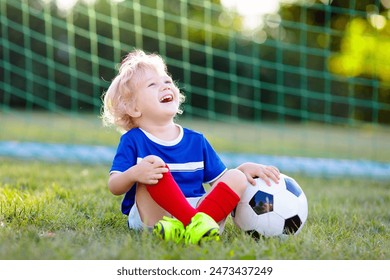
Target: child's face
157 97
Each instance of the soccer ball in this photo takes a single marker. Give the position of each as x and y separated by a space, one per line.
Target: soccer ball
277 210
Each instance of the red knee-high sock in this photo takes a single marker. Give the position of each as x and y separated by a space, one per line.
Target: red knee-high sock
219 202
169 196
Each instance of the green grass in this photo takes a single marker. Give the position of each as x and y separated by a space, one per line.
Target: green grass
65 211
60 211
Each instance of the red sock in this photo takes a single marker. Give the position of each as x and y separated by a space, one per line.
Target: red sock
169 196
219 202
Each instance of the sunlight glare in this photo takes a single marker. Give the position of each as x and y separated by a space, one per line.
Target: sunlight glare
253 11
65 5
377 21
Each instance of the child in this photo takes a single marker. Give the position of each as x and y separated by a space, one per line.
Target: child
160 166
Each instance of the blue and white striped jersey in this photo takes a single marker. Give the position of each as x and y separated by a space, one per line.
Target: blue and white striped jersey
190 158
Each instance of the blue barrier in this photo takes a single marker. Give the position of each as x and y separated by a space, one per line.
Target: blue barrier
104 154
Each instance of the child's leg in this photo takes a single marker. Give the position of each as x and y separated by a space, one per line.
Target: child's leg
149 211
168 195
224 195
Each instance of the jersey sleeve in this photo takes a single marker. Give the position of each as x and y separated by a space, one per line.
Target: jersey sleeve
213 165
125 156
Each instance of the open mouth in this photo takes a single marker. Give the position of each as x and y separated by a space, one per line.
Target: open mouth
166 98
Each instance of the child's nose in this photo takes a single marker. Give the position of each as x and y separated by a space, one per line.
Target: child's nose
166 87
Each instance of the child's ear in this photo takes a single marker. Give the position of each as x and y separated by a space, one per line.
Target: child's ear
133 110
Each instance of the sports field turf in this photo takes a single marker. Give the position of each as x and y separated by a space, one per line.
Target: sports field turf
65 211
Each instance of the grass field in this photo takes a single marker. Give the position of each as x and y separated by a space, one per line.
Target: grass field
56 211
63 211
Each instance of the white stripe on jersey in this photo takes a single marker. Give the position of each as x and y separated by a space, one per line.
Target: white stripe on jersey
183 167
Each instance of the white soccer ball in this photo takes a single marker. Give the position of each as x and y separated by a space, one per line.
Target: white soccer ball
277 210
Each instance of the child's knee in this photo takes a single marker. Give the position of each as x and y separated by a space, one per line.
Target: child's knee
236 180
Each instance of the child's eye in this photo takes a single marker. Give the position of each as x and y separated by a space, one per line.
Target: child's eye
151 84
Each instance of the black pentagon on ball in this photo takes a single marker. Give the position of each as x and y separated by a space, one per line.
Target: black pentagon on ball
254 234
262 202
291 225
293 187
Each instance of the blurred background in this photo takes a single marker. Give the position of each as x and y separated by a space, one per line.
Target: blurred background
303 85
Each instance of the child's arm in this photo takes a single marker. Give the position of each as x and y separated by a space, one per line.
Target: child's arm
148 171
265 172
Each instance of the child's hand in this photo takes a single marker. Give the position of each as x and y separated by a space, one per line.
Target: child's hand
150 170
265 172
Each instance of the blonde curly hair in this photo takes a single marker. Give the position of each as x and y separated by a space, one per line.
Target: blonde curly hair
119 97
